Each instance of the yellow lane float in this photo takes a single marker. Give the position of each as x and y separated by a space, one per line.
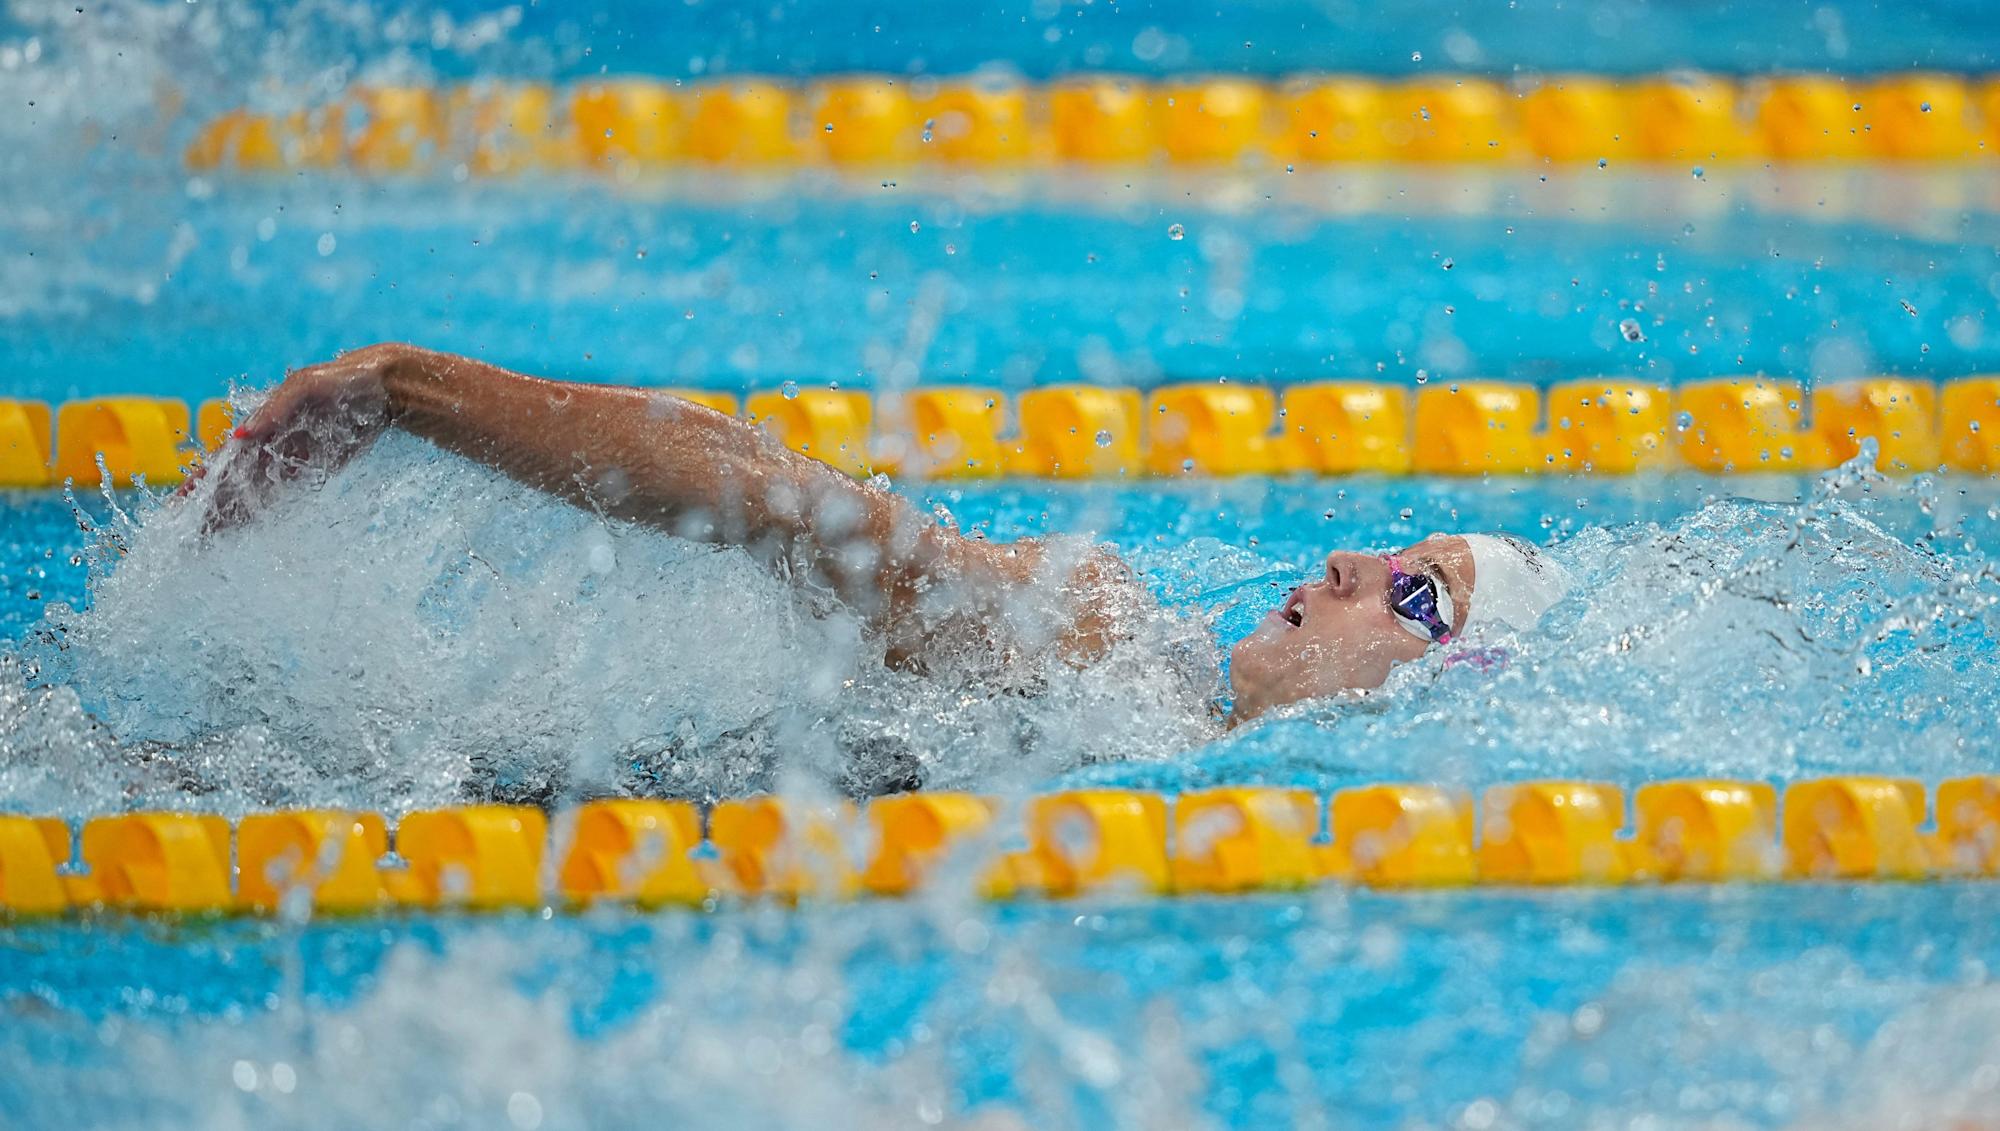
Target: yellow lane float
831 425
1077 432
31 851
1745 425
24 444
1077 843
1901 416
137 437
981 119
953 433
1574 118
740 121
633 850
1245 839
1342 427
628 123
480 857
1091 840
1969 424
1553 833
1706 831
784 848
915 832
1212 121
159 861
1855 828
1211 429
1403 836
1607 426
1686 118
329 856
1103 120
1476 427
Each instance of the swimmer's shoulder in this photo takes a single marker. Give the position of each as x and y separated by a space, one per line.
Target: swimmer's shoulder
1107 600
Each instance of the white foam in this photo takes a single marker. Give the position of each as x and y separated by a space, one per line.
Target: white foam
416 627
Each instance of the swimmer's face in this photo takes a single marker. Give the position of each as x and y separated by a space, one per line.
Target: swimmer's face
1337 633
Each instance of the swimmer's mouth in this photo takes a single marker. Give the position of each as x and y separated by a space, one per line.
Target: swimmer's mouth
1293 611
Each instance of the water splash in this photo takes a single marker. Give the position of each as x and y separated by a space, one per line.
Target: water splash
416 629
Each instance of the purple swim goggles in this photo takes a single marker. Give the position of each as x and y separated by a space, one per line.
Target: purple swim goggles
1422 606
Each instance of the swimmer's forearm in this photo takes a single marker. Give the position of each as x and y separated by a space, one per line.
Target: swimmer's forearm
650 457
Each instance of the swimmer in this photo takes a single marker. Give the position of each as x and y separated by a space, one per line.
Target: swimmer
651 458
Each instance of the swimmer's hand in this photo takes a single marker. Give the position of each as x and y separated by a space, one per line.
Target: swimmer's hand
316 420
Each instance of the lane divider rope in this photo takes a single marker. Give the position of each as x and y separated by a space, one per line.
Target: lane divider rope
1601 426
880 121
1058 845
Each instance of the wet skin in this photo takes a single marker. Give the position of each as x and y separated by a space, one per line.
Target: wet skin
1338 633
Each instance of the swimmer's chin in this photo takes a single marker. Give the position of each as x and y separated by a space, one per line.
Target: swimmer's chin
1314 709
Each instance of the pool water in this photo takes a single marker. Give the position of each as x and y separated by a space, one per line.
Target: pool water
1012 281
1815 1005
1820 1006
418 631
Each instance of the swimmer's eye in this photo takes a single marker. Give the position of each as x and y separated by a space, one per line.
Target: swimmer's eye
1420 602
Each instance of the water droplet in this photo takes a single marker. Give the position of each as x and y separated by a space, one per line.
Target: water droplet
1630 328
326 243
1423 376
1416 56
790 389
1684 421
1907 308
1697 172
1104 438
1925 107
829 127
1175 232
915 227
1406 514
1447 264
1601 162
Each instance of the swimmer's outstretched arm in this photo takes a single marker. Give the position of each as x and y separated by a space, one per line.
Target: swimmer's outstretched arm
650 457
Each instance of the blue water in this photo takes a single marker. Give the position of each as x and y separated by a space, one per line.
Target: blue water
1766 628
1556 1010
1375 276
807 37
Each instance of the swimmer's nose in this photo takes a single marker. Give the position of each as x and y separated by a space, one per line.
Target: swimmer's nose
1343 572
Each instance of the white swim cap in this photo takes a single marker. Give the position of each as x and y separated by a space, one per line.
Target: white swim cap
1512 582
